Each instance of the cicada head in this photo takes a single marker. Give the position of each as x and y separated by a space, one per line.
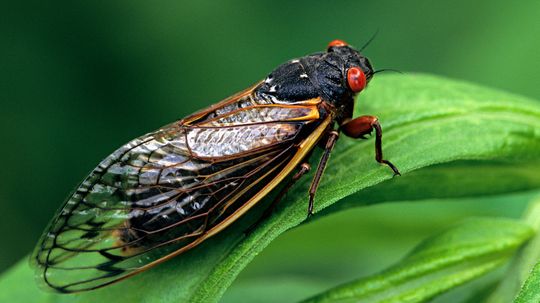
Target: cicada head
353 70
336 76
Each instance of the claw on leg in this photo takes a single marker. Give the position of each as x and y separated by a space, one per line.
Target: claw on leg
363 125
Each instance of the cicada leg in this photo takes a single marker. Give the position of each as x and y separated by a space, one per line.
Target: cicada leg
362 126
330 143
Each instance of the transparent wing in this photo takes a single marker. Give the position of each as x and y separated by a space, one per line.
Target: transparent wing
160 194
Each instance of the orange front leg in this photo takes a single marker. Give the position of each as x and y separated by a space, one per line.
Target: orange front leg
364 125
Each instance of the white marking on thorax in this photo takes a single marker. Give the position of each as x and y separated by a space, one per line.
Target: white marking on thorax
304 75
272 89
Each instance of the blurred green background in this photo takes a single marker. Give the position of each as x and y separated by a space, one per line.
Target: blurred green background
78 79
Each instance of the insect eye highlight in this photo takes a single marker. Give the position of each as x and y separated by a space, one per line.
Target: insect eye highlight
356 79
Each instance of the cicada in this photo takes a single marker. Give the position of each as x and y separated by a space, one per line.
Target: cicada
166 192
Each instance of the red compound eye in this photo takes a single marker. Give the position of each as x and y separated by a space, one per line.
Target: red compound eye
356 79
337 42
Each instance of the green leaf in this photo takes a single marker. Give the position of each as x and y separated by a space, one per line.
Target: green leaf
438 264
530 291
272 289
524 271
426 120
